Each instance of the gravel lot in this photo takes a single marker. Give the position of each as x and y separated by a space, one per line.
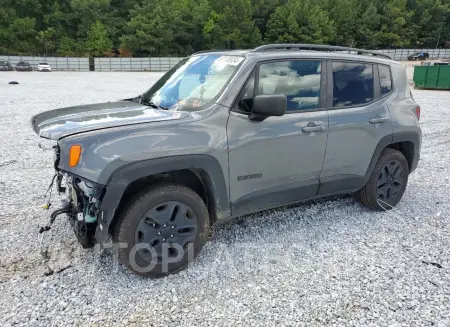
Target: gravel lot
329 262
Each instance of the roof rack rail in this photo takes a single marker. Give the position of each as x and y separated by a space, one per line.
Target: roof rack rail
214 50
317 47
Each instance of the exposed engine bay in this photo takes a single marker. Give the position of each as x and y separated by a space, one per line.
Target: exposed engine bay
81 203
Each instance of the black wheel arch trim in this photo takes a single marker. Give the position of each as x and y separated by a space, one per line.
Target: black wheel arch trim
416 139
396 137
125 175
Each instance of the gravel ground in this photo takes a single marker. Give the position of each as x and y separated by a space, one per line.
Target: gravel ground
328 262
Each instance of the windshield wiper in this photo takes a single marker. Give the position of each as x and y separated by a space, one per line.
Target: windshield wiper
135 99
154 105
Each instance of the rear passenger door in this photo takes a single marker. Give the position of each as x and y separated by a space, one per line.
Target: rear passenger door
359 119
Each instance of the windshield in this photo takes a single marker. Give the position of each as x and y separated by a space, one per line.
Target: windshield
3 63
193 83
43 63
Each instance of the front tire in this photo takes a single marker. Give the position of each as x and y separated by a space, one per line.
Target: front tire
387 183
164 229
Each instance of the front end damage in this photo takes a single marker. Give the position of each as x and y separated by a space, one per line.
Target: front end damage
81 203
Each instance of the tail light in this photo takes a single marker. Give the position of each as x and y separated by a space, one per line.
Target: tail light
418 112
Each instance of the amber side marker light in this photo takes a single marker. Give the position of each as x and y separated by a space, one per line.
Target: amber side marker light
74 155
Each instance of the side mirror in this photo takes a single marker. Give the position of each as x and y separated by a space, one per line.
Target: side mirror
268 105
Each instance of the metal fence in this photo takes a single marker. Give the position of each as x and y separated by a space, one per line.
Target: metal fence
160 64
57 63
157 64
402 54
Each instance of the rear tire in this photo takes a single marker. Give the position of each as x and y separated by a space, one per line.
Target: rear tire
164 228
387 183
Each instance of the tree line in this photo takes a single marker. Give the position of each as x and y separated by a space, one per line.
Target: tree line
181 27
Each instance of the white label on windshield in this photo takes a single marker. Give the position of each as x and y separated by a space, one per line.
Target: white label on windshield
230 60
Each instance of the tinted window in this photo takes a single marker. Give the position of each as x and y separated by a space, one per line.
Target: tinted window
352 84
298 80
385 79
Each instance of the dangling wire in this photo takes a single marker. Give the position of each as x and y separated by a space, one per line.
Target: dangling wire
49 192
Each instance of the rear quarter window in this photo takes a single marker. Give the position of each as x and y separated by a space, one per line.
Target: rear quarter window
385 79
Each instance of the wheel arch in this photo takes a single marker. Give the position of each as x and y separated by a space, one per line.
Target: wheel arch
408 143
202 173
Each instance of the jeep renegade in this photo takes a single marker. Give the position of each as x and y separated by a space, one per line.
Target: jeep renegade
228 133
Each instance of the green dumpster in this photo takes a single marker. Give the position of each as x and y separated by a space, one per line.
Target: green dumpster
432 77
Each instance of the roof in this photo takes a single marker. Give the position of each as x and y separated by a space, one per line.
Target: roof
274 51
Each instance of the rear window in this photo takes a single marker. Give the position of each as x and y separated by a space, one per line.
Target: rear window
352 83
3 63
385 79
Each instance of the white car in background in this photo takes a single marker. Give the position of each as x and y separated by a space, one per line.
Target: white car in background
44 67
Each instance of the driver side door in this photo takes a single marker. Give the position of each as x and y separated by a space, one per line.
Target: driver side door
278 160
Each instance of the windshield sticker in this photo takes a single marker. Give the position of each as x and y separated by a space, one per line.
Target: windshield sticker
230 60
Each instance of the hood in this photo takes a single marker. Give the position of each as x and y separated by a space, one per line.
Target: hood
58 123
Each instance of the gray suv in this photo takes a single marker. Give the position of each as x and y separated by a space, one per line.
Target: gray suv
228 133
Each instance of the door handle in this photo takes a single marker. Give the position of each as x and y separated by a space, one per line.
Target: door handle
378 120
312 129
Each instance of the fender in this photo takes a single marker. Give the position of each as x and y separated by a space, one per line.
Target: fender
416 139
125 175
396 137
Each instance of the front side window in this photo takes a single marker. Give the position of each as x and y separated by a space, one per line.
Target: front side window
298 80
352 84
385 79
193 82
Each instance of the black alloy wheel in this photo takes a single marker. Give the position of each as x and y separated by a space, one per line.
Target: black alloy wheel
170 222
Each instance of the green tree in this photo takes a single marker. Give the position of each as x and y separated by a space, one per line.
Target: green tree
19 36
393 29
301 22
428 23
367 23
163 27
262 10
45 40
152 27
98 42
69 47
230 25
344 14
83 13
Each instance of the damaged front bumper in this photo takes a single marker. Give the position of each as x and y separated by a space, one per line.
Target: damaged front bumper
81 204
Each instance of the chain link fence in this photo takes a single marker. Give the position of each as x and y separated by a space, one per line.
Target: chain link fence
161 64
